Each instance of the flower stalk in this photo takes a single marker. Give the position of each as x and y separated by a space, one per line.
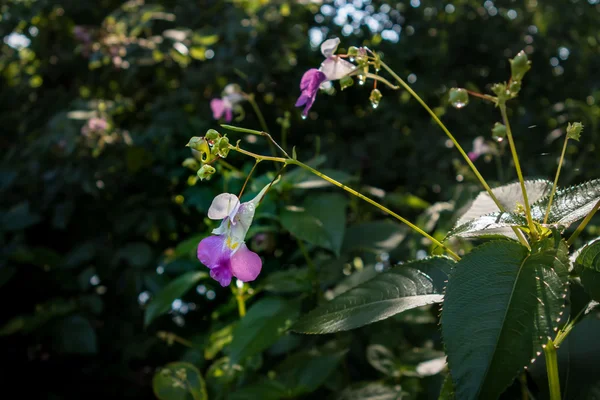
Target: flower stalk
554 186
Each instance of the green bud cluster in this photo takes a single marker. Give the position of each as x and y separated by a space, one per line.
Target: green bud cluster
208 148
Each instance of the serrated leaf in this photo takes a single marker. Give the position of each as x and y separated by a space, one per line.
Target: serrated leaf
501 305
264 323
569 204
175 289
588 266
179 381
498 223
401 288
320 221
508 195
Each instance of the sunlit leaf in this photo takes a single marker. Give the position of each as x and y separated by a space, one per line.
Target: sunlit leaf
498 223
569 204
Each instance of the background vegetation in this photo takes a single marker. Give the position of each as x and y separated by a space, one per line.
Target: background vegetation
98 215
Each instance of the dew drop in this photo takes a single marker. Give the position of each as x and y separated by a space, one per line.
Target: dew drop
375 105
303 116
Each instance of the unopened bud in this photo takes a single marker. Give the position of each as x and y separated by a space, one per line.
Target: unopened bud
346 82
206 172
222 146
519 66
211 135
199 144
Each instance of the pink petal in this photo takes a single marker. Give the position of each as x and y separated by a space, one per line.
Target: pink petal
218 108
221 275
228 115
473 156
245 264
211 250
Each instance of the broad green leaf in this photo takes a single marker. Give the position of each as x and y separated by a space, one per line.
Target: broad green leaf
495 224
75 335
371 391
398 289
179 381
588 266
375 236
304 372
501 305
569 204
175 289
320 221
188 247
508 196
292 280
18 217
264 323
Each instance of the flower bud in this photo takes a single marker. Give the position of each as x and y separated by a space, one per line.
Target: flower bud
190 163
206 172
515 87
211 135
199 144
346 82
498 132
375 98
519 66
353 51
458 97
574 130
222 146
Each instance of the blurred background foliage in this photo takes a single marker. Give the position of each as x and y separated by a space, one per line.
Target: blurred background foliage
98 215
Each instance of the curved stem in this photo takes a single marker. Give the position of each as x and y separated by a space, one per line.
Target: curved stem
458 146
513 150
583 224
560 162
258 133
376 204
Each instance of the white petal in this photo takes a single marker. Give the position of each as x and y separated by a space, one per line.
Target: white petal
329 46
326 85
223 228
336 68
243 221
224 205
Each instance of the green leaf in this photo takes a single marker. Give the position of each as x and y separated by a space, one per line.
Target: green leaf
377 236
447 392
401 288
588 266
569 205
217 341
371 391
508 195
320 221
304 372
264 323
495 224
292 280
76 335
501 305
175 289
264 390
179 381
18 217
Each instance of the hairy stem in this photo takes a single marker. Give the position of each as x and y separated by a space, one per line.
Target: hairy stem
560 162
458 146
583 224
552 370
513 150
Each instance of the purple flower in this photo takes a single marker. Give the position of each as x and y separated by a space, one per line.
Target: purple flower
479 148
333 68
226 253
223 107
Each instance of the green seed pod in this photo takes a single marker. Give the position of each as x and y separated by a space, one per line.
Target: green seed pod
375 98
206 172
211 135
519 66
346 82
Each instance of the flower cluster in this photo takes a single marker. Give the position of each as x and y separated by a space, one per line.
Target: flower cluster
223 107
333 68
226 253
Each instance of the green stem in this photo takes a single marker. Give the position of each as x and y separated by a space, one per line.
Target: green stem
583 224
259 133
513 150
456 144
261 119
552 370
560 162
376 204
311 265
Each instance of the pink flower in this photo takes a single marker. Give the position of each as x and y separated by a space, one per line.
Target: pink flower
226 253
333 68
94 125
223 107
479 148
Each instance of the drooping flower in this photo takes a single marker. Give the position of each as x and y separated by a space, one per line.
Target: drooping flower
223 107
480 147
333 68
226 253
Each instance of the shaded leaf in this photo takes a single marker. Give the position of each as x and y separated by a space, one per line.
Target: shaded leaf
18 217
175 289
179 381
501 305
401 288
76 335
264 323
304 372
508 195
588 266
